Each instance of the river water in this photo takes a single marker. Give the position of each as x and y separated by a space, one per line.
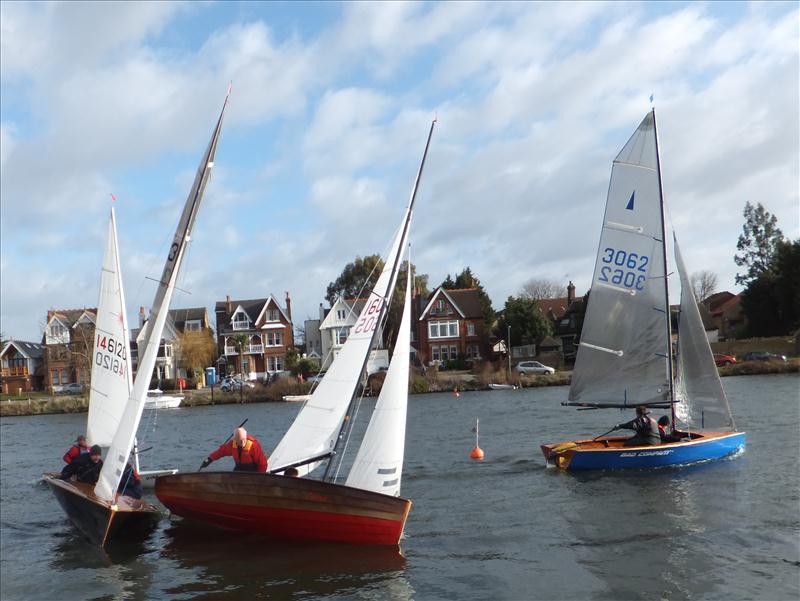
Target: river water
504 528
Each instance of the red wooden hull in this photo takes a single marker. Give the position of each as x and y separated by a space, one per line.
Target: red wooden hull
100 521
287 508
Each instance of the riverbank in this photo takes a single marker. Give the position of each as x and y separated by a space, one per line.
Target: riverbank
40 403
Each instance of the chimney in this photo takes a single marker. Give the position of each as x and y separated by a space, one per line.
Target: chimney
288 306
321 312
570 293
228 303
141 317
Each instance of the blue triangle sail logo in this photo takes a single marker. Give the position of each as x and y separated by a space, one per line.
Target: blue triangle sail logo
630 202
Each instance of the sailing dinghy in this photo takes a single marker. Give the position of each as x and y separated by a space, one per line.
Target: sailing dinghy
98 511
366 508
625 358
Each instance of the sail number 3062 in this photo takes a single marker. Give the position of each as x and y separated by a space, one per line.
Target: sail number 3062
110 354
624 268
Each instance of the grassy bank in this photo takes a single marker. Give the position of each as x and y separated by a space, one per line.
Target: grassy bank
432 381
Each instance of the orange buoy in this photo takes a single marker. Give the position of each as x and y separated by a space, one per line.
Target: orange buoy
477 454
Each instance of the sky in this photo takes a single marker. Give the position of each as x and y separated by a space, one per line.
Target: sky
327 121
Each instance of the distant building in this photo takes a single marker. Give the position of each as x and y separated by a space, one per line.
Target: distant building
726 314
69 342
22 366
168 361
265 332
313 339
450 325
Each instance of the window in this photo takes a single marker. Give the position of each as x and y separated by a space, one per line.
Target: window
192 325
274 363
443 329
453 352
274 338
272 315
168 350
444 353
435 353
54 377
57 330
340 335
240 321
470 329
245 367
341 314
473 351
64 376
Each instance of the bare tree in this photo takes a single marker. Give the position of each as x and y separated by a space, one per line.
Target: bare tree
540 288
196 350
704 284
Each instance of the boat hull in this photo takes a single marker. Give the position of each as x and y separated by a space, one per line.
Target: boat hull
148 477
609 454
284 507
100 521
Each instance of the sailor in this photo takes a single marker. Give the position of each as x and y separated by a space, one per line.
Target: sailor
645 427
245 450
80 446
668 434
85 467
130 485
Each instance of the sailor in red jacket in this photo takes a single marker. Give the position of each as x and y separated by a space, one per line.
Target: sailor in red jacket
245 450
80 446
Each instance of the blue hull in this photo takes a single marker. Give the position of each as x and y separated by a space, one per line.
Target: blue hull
681 453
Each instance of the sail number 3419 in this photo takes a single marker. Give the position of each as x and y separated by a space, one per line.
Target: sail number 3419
624 268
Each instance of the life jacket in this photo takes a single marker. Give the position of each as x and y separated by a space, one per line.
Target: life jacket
74 451
245 462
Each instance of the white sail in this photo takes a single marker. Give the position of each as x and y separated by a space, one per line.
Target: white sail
315 429
703 403
111 363
622 355
123 440
378 465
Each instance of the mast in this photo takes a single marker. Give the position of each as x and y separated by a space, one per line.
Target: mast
387 296
670 374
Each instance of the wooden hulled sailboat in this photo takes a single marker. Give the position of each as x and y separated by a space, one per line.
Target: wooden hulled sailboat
625 354
366 508
116 407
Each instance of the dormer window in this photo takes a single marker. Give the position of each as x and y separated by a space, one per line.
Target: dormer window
341 314
240 321
192 325
440 305
273 315
57 330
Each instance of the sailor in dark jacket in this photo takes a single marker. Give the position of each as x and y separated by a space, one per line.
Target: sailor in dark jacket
130 484
645 427
85 467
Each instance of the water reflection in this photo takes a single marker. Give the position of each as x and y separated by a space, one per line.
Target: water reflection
643 533
241 566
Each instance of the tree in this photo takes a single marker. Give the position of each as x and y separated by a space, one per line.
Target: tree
196 351
526 321
540 288
241 341
771 302
356 278
704 284
466 279
757 244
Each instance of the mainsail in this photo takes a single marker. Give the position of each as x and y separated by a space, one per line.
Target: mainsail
703 403
111 373
315 431
123 438
378 465
623 352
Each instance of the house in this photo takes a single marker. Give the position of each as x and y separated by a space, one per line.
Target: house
568 323
334 328
22 366
168 361
450 325
253 336
727 315
69 342
313 339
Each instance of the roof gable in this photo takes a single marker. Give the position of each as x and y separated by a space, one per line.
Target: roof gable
352 308
29 350
450 297
270 301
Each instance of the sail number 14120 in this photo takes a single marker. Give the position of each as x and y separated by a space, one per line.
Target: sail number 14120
624 268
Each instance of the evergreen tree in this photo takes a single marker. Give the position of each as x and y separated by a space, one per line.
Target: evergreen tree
771 301
757 244
357 277
526 321
466 279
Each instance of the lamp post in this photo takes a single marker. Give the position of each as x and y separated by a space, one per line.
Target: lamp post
509 353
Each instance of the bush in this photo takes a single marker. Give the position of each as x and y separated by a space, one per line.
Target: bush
419 385
286 386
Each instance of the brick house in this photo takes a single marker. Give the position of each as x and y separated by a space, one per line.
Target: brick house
449 325
69 340
168 361
22 366
726 314
269 332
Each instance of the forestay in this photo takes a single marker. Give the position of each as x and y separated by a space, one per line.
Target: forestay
123 439
703 403
378 465
622 355
111 365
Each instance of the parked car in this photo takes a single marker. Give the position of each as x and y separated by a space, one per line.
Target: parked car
721 359
230 384
73 388
763 356
534 367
